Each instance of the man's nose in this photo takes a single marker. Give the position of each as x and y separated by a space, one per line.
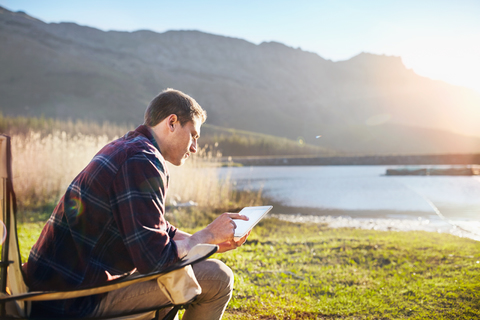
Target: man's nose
193 146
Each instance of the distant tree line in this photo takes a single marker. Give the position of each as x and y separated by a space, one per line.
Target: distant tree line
228 142
233 142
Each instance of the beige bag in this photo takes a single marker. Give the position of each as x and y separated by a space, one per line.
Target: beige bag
180 286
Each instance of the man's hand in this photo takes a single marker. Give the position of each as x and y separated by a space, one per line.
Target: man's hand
232 244
221 232
223 228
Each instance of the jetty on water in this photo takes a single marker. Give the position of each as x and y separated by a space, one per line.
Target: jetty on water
468 170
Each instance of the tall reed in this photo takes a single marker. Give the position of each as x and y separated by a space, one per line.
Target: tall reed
198 179
44 165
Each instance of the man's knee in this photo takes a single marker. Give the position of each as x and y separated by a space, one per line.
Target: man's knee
214 273
226 273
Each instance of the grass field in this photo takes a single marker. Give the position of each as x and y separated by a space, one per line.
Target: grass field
300 271
308 271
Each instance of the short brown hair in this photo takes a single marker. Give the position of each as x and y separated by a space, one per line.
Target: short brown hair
172 101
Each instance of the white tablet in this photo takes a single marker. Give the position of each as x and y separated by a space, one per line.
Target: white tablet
254 214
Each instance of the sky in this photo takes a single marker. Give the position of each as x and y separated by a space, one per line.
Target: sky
437 39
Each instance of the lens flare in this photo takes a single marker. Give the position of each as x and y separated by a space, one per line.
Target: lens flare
300 141
76 205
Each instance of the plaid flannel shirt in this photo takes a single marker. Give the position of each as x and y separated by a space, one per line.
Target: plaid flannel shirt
109 222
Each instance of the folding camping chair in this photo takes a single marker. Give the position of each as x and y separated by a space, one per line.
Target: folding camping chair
15 298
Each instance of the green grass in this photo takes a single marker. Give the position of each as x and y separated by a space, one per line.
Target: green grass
300 271
308 271
28 233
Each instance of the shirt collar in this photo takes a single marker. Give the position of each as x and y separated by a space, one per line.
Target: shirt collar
144 130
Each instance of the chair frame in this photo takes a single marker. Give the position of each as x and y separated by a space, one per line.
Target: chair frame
11 260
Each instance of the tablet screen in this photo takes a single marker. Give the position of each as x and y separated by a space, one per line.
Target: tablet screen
255 214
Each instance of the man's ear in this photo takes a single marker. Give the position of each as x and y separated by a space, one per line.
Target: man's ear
172 121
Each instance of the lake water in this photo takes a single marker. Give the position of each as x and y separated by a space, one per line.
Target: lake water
364 197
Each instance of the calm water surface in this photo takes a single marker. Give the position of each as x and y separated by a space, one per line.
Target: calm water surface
365 192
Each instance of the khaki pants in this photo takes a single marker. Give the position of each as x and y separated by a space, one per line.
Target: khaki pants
215 278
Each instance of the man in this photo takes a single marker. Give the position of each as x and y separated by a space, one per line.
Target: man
111 222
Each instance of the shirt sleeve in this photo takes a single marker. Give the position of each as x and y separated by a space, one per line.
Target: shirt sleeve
138 204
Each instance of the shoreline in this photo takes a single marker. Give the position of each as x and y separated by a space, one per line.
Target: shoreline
432 224
312 160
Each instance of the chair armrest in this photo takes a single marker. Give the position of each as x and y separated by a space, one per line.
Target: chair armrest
196 254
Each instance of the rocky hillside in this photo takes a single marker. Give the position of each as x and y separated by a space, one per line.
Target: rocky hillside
368 104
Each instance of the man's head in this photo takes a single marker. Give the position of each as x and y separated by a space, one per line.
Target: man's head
174 119
172 101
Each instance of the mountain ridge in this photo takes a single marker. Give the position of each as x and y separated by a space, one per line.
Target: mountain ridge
64 70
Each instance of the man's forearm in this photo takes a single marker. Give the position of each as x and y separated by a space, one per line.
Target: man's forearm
181 235
186 241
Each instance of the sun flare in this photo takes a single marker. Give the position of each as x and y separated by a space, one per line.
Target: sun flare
453 60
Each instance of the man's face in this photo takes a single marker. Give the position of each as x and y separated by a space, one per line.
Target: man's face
184 141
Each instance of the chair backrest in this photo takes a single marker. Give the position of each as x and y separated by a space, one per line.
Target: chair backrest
11 276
